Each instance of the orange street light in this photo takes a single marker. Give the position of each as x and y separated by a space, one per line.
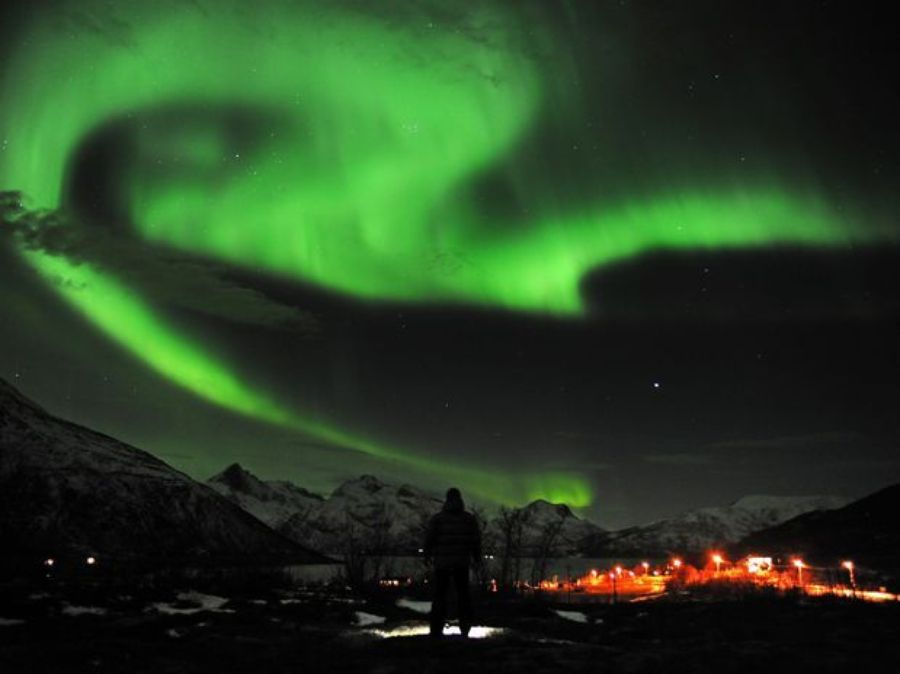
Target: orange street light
850 569
646 566
676 563
717 560
798 563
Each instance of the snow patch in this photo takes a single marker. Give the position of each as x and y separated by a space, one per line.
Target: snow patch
423 607
363 618
70 610
574 616
205 602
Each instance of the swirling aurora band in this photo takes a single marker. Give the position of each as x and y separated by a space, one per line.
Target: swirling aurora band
373 132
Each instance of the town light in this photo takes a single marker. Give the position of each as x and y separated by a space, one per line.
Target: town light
646 566
49 561
798 563
676 563
618 570
851 570
717 560
90 561
759 565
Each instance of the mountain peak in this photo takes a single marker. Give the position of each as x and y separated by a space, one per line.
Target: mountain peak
237 477
544 506
11 397
365 483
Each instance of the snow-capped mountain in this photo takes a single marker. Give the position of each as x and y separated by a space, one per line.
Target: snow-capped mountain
363 512
864 530
274 502
366 512
66 490
369 513
550 529
701 529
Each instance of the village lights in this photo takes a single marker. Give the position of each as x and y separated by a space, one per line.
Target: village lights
759 565
717 560
850 569
798 563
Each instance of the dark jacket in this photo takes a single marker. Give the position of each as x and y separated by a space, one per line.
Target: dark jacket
453 537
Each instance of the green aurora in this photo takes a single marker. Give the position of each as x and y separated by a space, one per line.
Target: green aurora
358 179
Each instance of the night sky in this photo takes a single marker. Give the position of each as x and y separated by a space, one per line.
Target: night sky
638 257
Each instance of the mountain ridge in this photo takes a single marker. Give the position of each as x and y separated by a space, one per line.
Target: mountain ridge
66 490
404 510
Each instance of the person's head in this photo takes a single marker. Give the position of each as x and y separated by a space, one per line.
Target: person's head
454 500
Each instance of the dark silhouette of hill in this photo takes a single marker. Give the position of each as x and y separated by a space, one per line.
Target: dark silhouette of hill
865 530
66 490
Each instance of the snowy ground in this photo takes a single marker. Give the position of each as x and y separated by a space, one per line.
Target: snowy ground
308 631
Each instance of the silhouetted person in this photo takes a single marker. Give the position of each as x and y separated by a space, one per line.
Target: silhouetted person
453 541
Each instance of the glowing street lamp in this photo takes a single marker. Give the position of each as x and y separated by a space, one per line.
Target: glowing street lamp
850 569
646 566
717 560
798 563
676 563
49 562
90 561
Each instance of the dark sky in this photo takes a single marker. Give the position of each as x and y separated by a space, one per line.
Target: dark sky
646 254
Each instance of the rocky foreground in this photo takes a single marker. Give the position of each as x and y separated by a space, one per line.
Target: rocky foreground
303 631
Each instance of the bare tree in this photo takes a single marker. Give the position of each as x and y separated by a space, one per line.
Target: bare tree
378 543
482 572
511 523
352 548
546 547
364 546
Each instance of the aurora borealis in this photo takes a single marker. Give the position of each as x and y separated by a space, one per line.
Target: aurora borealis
223 173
